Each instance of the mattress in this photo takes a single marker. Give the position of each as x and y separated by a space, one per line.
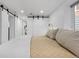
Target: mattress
43 47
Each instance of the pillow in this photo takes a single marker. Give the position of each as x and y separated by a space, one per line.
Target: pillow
52 33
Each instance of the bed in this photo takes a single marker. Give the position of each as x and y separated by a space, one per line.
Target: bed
43 47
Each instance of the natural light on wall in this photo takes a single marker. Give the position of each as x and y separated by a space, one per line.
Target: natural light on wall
77 10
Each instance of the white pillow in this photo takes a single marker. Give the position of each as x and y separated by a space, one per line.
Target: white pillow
52 33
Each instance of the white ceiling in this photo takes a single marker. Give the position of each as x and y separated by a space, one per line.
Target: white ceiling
33 6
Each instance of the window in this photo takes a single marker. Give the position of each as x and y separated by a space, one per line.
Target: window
76 9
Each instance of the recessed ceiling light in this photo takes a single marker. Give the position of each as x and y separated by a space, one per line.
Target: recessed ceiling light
41 11
22 11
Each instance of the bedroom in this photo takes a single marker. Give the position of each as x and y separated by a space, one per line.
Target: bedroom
24 20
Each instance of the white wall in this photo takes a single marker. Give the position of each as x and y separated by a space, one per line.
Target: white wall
23 30
0 23
29 26
37 27
62 17
11 19
19 27
40 26
5 25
